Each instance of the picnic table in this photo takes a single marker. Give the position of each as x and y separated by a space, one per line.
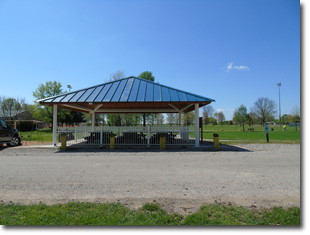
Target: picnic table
132 138
94 137
170 137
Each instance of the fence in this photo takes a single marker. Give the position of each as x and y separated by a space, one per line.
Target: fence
143 135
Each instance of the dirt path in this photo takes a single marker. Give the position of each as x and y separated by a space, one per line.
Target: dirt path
262 176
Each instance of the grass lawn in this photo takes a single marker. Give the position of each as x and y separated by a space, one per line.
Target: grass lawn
235 134
149 214
43 135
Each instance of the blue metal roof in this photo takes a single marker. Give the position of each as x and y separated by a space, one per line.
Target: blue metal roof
131 89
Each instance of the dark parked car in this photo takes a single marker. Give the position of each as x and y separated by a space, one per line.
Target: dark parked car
9 135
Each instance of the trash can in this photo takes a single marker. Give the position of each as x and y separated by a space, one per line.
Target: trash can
162 141
216 141
63 137
112 141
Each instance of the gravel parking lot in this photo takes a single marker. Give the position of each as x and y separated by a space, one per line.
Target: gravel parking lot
263 175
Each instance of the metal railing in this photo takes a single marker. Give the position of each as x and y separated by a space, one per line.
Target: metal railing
141 135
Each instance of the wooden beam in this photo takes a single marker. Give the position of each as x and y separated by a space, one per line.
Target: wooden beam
78 107
186 107
136 111
97 107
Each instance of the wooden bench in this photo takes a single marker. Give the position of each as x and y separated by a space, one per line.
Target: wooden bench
251 129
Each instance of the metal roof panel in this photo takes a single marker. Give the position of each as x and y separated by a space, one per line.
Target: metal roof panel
131 89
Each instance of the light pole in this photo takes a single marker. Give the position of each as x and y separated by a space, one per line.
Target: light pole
278 85
69 87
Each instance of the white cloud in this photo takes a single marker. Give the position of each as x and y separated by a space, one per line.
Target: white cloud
241 67
229 66
220 110
236 67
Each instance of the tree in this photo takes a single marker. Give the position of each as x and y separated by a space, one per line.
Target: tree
11 107
46 113
171 118
112 118
296 114
250 119
207 112
213 121
242 115
159 120
147 75
116 76
220 117
284 119
188 118
264 110
48 89
236 117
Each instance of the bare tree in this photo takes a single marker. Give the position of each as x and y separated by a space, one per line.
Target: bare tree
159 119
115 119
117 75
11 107
264 110
207 112
171 118
296 113
220 117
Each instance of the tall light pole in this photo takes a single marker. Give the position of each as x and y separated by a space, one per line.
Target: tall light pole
69 87
279 85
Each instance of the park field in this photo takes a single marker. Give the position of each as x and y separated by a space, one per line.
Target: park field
229 134
235 134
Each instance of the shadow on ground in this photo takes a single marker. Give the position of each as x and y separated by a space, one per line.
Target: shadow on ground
205 146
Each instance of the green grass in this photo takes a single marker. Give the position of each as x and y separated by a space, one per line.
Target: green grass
149 214
235 134
44 135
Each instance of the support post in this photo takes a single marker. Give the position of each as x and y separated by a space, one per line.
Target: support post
54 124
101 135
162 141
180 125
196 125
148 136
93 121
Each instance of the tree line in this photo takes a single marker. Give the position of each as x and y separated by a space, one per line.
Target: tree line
263 110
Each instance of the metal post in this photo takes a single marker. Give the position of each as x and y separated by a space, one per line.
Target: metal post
180 124
54 124
148 136
93 121
75 134
101 136
279 85
196 125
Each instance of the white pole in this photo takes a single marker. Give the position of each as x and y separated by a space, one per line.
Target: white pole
196 125
93 121
54 124
180 124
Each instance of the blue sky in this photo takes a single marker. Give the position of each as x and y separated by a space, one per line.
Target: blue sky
233 51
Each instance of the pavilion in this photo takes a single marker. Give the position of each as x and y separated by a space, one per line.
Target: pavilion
128 95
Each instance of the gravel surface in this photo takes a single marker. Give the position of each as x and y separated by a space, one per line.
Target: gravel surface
264 175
